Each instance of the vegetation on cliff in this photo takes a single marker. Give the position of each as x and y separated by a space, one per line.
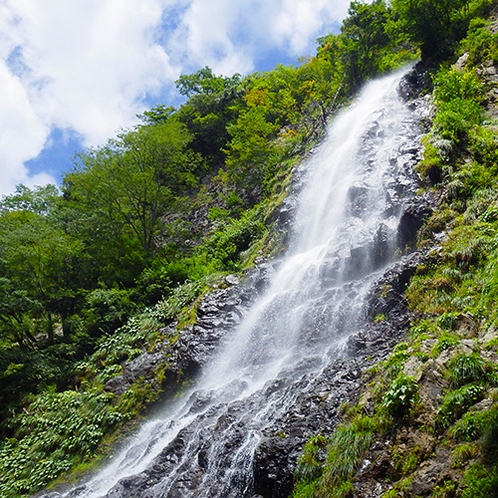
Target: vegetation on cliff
426 422
92 275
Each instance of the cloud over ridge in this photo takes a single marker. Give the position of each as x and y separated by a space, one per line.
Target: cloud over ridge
90 66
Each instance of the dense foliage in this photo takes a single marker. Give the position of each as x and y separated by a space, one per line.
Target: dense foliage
90 274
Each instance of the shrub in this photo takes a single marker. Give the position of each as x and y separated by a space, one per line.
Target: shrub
432 165
447 320
400 396
480 44
226 244
456 118
303 489
453 84
444 490
458 95
180 297
456 403
108 309
406 462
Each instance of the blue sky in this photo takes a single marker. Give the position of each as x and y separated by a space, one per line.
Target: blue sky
74 72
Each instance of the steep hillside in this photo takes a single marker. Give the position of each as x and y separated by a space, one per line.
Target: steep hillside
426 422
107 283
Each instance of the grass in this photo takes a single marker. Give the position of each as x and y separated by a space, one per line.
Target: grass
464 369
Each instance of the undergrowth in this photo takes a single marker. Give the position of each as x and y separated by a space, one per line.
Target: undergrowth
454 296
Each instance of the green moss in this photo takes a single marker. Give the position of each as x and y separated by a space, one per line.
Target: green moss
407 461
399 489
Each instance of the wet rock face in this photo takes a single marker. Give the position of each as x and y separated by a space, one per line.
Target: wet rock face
412 219
315 407
415 82
220 311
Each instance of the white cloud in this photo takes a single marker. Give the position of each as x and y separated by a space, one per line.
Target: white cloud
299 22
227 34
22 133
89 65
208 38
82 65
91 60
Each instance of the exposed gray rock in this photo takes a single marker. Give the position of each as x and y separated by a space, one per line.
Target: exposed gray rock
431 473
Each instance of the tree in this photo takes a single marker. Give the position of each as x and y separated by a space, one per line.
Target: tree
251 151
38 273
209 110
122 191
322 79
364 38
17 310
434 24
41 200
205 82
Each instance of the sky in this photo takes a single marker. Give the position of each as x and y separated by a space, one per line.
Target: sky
75 72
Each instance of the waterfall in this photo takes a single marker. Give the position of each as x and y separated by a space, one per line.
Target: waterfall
345 235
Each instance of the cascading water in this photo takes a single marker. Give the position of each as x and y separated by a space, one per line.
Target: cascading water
345 234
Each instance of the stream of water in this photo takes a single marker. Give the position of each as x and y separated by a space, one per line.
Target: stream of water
345 234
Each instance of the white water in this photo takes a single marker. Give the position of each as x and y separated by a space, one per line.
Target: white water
344 236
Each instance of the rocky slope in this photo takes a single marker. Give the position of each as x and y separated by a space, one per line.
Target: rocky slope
318 409
444 443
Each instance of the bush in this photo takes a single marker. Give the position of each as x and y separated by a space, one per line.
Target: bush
455 85
108 309
445 341
400 396
394 364
456 403
226 244
458 95
480 44
455 119
303 489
